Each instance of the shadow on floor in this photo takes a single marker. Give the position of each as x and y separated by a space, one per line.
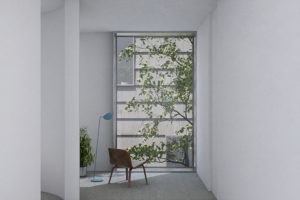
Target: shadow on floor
48 196
172 186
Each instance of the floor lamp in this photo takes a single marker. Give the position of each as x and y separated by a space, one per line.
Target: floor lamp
107 116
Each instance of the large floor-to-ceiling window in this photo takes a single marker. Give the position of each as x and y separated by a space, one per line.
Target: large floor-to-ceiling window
154 97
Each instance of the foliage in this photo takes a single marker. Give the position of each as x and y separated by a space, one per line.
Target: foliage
162 86
86 155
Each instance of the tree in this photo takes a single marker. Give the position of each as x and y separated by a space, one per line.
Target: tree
163 86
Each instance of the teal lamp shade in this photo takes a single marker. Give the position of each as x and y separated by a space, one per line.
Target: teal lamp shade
108 116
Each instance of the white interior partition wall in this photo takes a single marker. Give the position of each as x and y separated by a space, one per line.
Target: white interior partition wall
203 85
20 107
53 102
256 112
72 99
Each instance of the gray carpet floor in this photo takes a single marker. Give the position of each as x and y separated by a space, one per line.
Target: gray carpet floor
172 186
47 196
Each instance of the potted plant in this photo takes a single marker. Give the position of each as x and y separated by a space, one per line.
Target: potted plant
86 155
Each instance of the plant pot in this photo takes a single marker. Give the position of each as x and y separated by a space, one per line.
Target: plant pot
82 171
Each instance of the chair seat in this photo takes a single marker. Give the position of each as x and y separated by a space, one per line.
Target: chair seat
137 163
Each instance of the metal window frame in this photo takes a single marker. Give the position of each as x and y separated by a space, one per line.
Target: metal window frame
160 34
155 33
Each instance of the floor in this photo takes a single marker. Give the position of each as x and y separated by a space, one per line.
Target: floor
162 186
47 196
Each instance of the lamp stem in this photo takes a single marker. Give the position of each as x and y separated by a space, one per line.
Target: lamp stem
97 145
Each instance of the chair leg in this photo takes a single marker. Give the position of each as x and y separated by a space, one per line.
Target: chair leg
129 177
126 173
145 174
112 170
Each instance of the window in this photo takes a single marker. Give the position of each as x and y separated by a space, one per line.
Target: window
154 97
125 68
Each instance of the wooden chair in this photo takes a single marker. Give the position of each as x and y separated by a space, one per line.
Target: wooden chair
121 159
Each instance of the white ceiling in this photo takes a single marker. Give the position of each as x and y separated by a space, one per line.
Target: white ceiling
50 5
139 15
143 15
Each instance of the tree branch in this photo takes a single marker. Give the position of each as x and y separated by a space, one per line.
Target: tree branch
187 119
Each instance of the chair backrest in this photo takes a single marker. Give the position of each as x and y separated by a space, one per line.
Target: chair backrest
120 158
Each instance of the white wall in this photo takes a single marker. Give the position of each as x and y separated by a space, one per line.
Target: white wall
20 110
96 70
60 101
71 100
203 103
256 109
53 76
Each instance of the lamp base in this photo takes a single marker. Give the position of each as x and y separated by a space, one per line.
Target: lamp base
97 180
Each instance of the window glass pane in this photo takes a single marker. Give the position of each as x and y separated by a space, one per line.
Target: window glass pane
156 61
157 111
125 142
125 72
127 93
153 60
164 128
182 44
154 79
158 75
